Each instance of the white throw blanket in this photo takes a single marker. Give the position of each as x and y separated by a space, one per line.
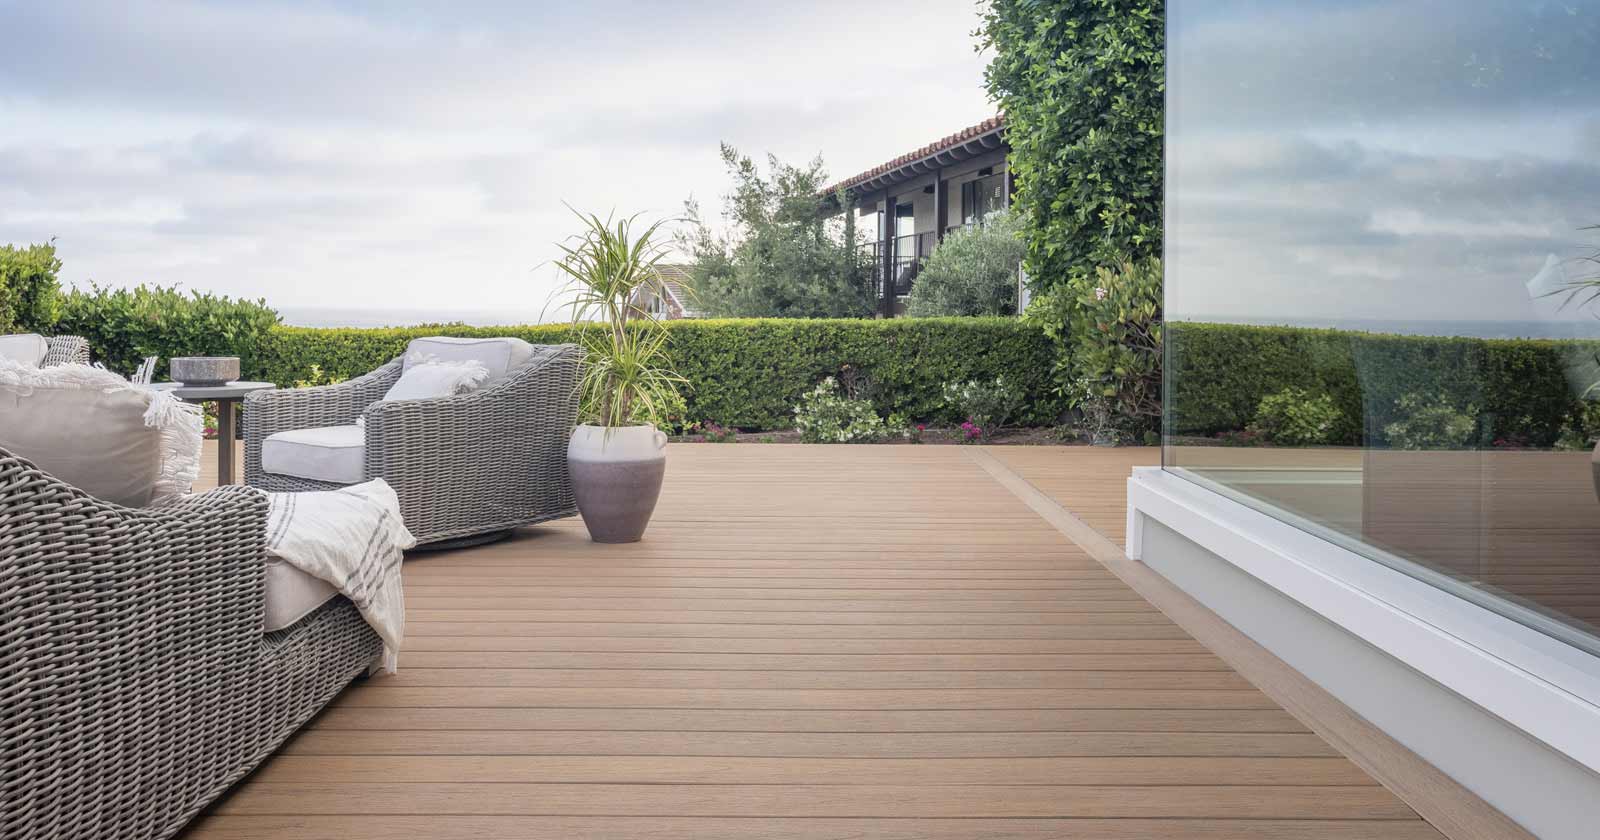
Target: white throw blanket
353 538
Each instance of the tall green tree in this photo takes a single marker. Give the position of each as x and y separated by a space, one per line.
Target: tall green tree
780 258
1082 84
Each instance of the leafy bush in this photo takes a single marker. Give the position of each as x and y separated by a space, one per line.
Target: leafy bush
984 406
972 272
825 415
748 374
1114 329
1524 389
1294 417
1082 85
125 325
1429 422
30 294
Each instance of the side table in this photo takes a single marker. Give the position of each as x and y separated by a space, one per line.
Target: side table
227 397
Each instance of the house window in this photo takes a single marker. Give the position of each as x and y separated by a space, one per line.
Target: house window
983 196
1370 252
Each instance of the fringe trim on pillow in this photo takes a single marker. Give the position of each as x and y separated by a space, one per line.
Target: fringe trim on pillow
181 440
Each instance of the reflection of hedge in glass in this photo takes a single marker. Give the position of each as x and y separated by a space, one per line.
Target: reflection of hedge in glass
1296 417
1522 389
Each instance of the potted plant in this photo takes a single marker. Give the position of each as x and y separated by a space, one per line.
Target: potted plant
616 456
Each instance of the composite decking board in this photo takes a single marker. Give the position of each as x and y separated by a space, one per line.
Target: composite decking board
928 745
810 642
451 719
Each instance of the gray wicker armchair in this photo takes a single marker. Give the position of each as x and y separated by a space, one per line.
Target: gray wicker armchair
466 468
135 682
66 350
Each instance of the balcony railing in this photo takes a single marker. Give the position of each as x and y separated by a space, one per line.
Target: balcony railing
909 252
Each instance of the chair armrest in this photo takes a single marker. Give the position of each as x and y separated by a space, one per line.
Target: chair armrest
503 447
65 350
126 634
268 412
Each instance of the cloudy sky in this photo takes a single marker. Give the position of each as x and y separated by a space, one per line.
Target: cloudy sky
412 155
1402 160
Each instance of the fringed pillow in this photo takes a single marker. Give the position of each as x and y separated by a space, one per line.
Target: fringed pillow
92 429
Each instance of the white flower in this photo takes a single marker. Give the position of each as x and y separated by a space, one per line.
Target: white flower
1099 293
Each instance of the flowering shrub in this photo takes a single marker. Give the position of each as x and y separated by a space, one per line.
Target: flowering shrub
825 415
971 432
1430 422
986 406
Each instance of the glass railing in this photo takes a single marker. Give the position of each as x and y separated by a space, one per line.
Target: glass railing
1380 267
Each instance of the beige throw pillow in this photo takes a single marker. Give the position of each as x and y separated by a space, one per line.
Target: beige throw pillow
91 429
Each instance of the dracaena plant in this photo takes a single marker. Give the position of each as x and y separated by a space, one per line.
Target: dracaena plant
610 267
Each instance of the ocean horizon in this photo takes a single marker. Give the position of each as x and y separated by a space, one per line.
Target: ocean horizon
371 317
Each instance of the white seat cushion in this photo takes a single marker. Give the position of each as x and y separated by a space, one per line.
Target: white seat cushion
27 348
291 594
336 454
499 355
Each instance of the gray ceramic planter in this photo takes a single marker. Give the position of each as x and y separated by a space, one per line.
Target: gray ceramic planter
616 475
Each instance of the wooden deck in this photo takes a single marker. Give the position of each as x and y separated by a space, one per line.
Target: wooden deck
811 642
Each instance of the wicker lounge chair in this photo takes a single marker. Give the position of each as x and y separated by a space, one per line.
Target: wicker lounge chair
467 468
66 350
135 681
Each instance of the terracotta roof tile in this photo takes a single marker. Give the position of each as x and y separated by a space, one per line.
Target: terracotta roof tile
962 136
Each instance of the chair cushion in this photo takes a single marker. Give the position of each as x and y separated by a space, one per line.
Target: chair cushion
91 429
336 454
499 355
27 348
291 594
438 379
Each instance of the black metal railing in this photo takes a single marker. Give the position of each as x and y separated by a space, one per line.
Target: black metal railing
908 254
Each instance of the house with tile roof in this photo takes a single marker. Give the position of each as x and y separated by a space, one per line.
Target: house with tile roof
674 300
910 203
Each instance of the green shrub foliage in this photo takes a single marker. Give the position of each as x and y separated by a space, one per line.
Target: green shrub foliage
30 294
748 373
972 272
1114 332
987 404
125 325
1082 85
1523 391
827 415
1296 417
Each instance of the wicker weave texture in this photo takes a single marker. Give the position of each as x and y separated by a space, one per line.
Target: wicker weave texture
462 466
135 682
66 350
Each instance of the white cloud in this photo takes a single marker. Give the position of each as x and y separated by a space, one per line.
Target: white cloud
417 155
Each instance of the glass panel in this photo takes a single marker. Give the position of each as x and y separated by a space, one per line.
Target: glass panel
1380 258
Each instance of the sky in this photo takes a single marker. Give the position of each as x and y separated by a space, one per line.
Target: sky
370 156
1339 160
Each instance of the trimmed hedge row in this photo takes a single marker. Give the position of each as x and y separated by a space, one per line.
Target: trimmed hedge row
747 373
1523 390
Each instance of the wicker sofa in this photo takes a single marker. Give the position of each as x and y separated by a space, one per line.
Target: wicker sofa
467 468
136 684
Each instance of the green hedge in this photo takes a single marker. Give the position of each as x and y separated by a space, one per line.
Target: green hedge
125 325
1524 390
747 373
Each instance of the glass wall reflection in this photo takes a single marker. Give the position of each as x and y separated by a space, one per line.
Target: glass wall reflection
1383 284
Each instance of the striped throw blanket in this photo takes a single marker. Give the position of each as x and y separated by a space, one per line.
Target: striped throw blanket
354 539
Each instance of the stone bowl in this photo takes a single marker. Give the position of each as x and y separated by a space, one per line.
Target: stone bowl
204 371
